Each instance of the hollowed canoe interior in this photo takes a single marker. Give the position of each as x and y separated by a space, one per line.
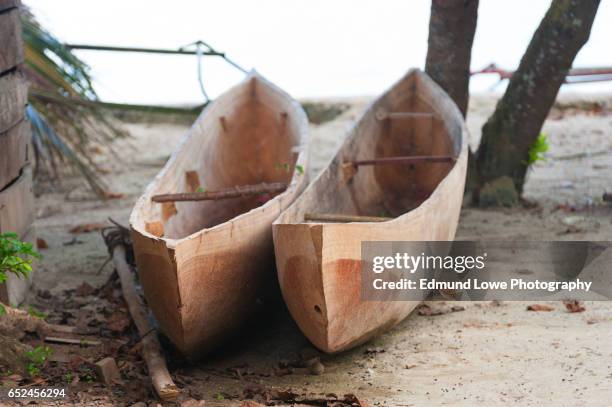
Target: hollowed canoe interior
404 186
246 137
387 190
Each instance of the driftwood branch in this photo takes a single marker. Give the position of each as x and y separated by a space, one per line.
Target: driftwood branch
17 321
235 192
151 350
326 217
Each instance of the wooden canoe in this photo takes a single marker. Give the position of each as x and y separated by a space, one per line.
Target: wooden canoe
207 266
319 263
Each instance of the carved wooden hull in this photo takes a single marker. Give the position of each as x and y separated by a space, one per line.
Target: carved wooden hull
319 264
207 266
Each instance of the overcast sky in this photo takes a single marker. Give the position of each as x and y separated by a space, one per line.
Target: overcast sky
311 48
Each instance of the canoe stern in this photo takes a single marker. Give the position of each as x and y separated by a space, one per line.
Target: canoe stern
225 277
298 264
157 272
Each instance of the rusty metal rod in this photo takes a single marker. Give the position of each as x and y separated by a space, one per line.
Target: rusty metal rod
572 75
571 80
415 159
235 192
590 71
402 115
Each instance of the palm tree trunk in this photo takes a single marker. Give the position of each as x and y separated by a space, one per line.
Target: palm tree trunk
451 32
452 25
514 126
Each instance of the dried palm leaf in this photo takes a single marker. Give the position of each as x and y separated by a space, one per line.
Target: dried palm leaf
66 120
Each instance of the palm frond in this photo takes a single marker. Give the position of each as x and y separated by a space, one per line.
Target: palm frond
65 119
47 143
52 56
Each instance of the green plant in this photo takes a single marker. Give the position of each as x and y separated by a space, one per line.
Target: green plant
37 358
537 149
286 167
281 166
15 257
36 313
87 375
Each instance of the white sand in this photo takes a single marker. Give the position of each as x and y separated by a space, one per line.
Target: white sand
490 355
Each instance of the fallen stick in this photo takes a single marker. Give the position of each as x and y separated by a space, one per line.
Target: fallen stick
235 192
72 341
151 348
20 320
325 217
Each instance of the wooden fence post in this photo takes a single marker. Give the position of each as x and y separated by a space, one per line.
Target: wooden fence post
16 195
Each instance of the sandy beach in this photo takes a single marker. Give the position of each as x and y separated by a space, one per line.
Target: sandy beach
489 353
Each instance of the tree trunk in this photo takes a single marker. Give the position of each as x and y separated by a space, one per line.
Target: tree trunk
451 32
449 50
514 126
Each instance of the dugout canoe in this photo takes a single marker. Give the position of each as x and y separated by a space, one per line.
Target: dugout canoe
206 267
319 263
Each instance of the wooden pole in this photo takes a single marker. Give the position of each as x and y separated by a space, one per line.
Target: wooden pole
235 192
179 51
140 50
325 217
151 349
53 97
